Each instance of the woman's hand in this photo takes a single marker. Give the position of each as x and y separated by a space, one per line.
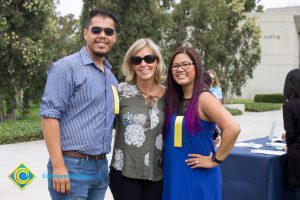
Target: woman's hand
200 161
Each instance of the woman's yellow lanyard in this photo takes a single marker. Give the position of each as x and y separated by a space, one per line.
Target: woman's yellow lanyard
116 100
178 131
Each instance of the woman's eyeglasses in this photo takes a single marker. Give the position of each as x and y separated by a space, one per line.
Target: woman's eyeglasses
184 65
136 60
97 30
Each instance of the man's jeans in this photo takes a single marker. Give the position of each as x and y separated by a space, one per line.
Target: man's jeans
89 179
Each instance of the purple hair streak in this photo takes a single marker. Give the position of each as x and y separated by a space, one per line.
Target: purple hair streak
174 93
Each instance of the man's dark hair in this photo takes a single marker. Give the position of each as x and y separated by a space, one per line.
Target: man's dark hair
103 13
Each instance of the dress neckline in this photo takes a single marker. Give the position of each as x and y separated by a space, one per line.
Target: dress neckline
150 100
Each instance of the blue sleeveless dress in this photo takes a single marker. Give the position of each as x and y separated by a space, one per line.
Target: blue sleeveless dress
180 181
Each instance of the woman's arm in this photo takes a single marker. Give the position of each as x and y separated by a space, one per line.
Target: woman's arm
210 109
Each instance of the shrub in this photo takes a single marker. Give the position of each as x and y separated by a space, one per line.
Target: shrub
23 130
235 111
19 131
269 98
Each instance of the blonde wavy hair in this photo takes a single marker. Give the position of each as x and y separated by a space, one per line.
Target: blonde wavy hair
127 67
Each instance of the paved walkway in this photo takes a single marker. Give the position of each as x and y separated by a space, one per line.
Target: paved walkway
35 156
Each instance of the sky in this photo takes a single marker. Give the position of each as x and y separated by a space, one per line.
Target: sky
69 6
74 6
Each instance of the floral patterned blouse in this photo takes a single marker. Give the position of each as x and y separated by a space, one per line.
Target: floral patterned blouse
138 140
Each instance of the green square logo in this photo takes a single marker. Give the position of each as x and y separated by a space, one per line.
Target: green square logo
21 176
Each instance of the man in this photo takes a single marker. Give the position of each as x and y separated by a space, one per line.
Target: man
77 114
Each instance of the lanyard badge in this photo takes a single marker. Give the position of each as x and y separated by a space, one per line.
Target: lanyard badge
116 100
178 131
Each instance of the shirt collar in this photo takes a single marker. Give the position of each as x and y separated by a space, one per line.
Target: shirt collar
87 59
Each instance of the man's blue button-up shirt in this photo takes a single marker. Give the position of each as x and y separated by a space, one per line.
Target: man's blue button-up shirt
80 96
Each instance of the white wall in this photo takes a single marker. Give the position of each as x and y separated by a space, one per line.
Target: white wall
280 53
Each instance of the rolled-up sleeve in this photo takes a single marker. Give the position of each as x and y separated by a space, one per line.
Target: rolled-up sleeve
58 91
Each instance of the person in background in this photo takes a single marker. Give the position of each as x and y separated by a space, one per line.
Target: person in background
136 172
77 114
215 88
207 79
191 164
291 119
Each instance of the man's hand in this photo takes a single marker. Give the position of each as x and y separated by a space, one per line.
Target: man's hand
61 180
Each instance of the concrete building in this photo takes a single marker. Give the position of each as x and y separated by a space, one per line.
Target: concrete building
280 45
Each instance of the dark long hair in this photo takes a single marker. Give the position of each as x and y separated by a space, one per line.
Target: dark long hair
291 88
174 93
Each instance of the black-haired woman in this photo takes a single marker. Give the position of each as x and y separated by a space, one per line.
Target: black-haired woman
291 119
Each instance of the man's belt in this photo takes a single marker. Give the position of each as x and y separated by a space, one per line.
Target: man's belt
76 154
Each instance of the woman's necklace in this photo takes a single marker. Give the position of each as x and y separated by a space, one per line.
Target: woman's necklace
149 99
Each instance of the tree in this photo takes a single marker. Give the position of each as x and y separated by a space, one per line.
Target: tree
138 19
249 5
260 8
239 52
61 42
24 28
167 4
64 41
243 50
175 32
226 39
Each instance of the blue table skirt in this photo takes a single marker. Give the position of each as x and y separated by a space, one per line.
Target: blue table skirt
250 176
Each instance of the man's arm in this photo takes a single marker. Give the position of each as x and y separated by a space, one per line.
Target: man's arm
51 131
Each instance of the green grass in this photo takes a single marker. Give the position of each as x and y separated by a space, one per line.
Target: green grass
22 130
262 107
242 101
252 106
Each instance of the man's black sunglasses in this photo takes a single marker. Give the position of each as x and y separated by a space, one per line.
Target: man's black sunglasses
136 60
97 30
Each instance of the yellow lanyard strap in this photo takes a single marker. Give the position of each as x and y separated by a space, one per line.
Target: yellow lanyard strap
116 100
178 131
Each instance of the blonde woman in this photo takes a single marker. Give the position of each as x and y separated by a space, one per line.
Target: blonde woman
135 172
